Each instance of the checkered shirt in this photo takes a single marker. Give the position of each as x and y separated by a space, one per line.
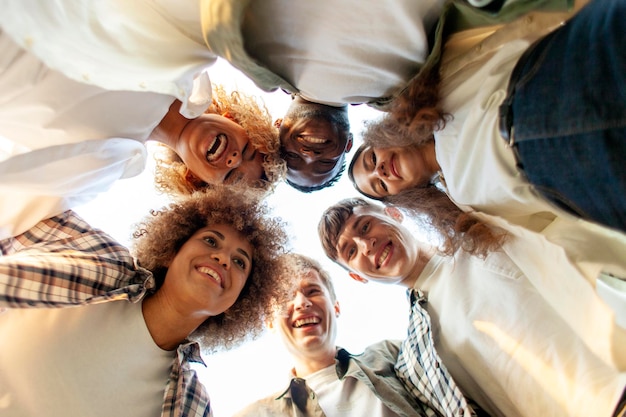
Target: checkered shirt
421 370
62 262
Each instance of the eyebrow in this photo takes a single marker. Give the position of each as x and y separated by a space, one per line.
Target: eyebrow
221 236
366 167
355 225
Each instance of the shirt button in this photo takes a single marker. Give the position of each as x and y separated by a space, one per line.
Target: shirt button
28 42
86 76
142 84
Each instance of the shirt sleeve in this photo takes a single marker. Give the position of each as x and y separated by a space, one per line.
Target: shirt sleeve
63 261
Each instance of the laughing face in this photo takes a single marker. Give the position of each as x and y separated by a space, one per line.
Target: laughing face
314 139
382 172
308 326
218 151
210 270
377 247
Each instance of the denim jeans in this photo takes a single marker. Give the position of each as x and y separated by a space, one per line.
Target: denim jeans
569 114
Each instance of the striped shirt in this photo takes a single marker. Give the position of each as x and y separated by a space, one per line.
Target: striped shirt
62 262
420 368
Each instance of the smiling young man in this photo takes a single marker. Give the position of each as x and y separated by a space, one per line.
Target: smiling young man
315 139
326 379
519 330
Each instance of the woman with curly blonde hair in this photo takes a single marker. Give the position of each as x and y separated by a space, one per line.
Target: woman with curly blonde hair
208 272
237 142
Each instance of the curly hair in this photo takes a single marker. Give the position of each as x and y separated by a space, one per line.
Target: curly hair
458 229
171 174
160 236
432 208
415 114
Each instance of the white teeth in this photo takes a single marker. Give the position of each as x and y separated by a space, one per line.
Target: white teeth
312 139
383 256
309 320
211 273
216 148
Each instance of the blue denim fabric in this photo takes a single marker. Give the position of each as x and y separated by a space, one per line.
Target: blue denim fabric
569 114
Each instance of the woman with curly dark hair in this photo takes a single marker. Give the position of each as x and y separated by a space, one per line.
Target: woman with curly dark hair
208 272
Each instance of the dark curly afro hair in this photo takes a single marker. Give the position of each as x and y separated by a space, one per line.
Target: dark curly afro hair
160 236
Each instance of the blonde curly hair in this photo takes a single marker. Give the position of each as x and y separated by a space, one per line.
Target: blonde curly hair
160 236
171 174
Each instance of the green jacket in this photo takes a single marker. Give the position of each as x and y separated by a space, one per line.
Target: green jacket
374 367
221 20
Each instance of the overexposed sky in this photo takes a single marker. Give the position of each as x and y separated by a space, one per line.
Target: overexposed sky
369 312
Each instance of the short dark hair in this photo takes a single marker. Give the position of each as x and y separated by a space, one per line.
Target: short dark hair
334 220
327 184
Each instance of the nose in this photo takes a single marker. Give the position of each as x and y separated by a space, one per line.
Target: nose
309 155
380 169
365 244
301 302
234 159
222 259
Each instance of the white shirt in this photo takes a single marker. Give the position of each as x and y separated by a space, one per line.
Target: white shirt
345 398
524 338
96 360
479 167
341 52
94 80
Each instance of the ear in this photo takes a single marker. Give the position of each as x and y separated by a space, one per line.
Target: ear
349 143
270 325
394 213
337 309
357 277
194 181
278 123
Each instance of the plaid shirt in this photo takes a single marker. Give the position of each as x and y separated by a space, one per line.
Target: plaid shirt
63 261
420 368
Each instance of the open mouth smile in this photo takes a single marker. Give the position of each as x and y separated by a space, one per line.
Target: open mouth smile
311 140
384 254
306 321
217 148
212 274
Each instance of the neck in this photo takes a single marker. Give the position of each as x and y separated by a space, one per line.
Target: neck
307 366
423 256
170 127
430 157
168 325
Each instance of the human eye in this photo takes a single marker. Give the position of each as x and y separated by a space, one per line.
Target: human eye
313 291
383 186
351 252
240 262
365 227
292 155
373 158
211 241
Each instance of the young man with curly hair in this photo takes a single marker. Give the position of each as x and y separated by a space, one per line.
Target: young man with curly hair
207 272
519 328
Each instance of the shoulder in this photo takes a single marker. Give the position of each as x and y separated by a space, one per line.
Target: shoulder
265 407
383 352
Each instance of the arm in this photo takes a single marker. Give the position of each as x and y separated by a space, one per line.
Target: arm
63 261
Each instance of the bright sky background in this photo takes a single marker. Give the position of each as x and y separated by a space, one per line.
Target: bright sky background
369 312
